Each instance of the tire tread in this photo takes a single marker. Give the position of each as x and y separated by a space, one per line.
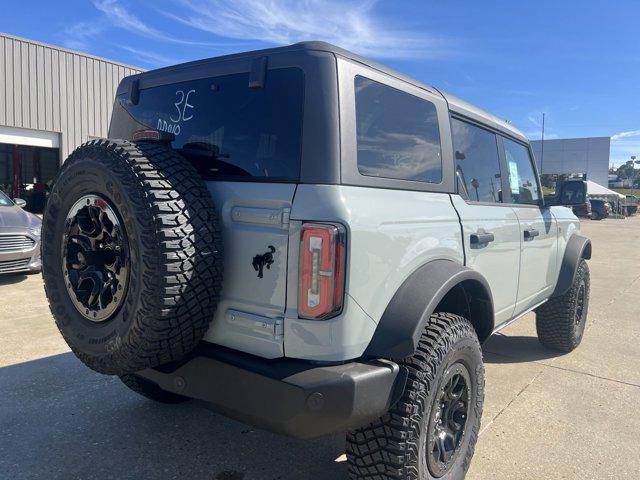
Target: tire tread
387 449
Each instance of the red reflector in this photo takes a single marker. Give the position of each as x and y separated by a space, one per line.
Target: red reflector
146 135
321 276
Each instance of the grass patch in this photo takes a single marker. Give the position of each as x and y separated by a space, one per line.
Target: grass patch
628 191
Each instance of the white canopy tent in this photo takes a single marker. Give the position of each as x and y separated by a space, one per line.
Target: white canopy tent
596 190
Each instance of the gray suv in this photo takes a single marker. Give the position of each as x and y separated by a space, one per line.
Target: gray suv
312 243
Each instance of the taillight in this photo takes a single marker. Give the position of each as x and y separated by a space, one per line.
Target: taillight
321 275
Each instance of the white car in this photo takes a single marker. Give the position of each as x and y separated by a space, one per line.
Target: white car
312 243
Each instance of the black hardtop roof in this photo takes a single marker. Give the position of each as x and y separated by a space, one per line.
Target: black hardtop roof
456 104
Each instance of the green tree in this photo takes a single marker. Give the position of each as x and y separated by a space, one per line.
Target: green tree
626 170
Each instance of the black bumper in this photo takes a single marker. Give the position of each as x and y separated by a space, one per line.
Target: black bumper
290 397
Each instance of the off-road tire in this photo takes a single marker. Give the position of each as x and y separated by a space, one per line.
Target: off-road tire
175 249
595 216
393 447
150 390
556 323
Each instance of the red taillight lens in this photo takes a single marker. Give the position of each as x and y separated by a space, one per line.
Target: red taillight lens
146 135
321 282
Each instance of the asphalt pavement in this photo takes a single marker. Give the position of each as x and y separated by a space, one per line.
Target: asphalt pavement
571 416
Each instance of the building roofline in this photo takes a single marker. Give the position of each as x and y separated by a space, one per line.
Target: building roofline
570 138
68 50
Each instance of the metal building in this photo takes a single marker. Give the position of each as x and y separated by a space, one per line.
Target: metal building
575 155
51 100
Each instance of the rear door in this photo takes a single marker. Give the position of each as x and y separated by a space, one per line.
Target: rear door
245 141
490 227
538 227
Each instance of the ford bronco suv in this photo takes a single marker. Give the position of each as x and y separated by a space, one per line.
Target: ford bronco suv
312 243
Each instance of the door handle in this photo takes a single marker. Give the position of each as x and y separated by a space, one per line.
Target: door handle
531 233
481 238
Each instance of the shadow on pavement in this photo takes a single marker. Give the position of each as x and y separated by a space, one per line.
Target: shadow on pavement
515 349
12 278
59 419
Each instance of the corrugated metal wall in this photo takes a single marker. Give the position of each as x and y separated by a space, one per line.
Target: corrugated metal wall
49 88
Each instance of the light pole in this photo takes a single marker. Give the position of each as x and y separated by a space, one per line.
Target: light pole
542 149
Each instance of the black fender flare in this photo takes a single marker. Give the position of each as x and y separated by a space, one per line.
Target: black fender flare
578 247
406 315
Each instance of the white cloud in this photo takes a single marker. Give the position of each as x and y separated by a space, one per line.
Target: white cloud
81 35
120 17
624 145
631 133
150 58
241 24
350 24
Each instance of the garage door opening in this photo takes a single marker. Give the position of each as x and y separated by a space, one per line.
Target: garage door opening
27 172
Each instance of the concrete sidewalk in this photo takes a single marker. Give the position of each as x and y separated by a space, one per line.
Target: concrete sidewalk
546 416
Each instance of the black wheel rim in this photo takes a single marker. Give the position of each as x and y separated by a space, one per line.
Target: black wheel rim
95 258
448 420
580 301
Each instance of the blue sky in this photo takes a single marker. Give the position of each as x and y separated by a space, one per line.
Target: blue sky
577 61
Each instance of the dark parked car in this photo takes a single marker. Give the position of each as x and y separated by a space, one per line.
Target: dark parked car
599 209
583 210
19 237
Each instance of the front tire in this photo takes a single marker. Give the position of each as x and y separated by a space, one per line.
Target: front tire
560 322
432 430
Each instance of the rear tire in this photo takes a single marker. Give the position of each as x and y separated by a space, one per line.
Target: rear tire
403 443
150 390
560 322
132 255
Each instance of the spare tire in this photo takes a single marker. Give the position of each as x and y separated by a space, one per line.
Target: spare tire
132 255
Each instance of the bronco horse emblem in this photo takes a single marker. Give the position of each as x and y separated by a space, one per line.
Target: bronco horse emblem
264 260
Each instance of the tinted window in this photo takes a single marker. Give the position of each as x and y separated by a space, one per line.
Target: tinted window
397 134
522 178
226 129
477 163
573 193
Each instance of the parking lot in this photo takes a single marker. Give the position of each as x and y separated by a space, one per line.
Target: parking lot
546 416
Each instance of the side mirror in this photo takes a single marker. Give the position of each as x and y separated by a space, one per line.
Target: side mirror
570 193
20 202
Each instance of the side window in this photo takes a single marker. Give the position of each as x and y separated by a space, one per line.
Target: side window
397 134
477 163
522 178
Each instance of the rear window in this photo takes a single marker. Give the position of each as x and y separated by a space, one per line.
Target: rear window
226 129
397 134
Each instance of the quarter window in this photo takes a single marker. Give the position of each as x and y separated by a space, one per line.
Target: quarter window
523 182
397 134
477 162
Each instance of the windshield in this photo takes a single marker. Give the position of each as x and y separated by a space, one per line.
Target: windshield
4 200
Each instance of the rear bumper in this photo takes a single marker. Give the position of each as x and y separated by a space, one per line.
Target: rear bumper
290 397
